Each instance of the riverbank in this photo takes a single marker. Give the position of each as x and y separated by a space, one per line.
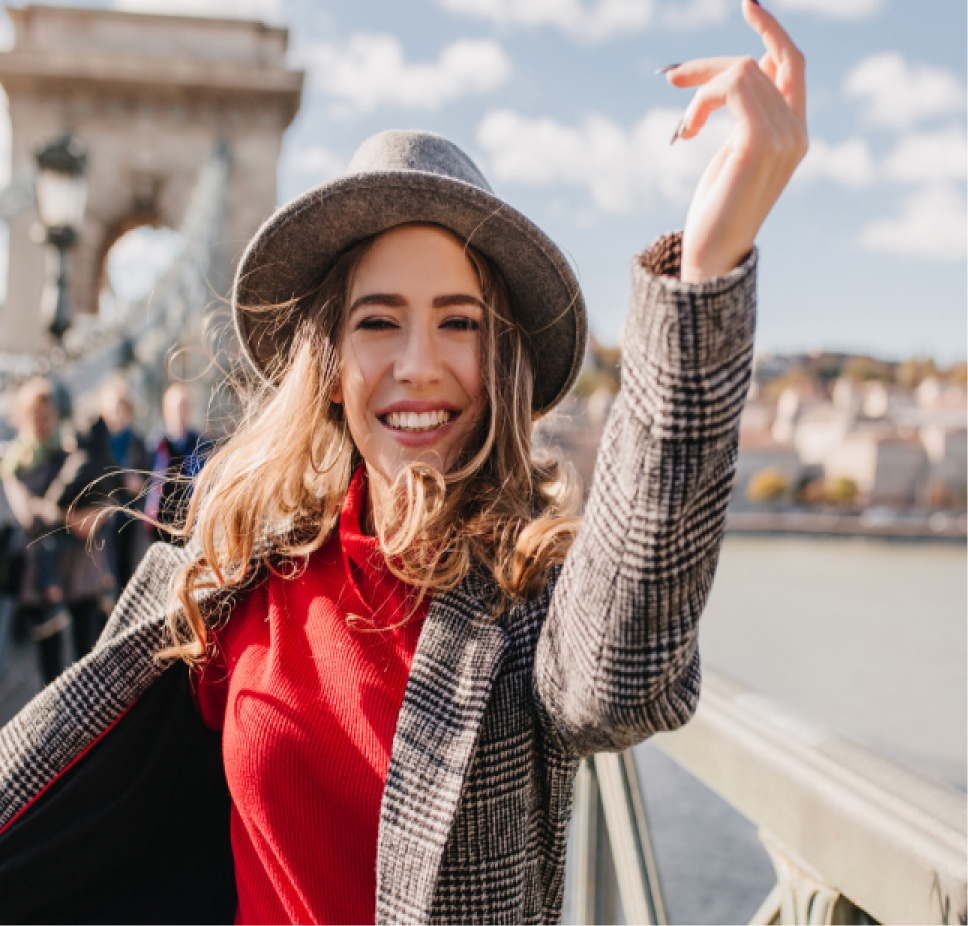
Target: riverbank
879 524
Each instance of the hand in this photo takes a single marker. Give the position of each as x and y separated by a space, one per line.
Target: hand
44 511
767 99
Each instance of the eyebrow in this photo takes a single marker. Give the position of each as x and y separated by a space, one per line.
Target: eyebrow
396 301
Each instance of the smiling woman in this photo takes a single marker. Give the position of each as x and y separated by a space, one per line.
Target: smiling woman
400 638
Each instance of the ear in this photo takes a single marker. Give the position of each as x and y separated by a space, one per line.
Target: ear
336 394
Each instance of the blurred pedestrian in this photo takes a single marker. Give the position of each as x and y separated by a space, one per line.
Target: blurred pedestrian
132 464
61 582
179 455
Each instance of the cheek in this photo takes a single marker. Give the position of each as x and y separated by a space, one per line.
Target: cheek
352 392
466 365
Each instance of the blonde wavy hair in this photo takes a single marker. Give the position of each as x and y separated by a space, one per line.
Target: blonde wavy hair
272 494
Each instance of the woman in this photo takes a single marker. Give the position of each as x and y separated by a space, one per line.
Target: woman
61 583
129 455
401 643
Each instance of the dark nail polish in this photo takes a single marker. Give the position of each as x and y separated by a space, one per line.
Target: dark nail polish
667 68
756 2
678 131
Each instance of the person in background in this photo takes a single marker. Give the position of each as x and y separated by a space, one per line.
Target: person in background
179 455
133 463
62 581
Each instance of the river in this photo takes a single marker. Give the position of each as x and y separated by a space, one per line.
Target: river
866 637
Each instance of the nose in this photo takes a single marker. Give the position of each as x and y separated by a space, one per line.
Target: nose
419 364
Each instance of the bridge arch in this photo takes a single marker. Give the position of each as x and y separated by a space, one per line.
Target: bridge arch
150 96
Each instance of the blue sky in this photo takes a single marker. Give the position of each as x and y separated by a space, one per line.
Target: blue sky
558 102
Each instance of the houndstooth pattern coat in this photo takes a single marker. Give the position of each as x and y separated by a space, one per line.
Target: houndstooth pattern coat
497 714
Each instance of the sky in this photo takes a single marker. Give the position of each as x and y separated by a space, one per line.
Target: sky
558 103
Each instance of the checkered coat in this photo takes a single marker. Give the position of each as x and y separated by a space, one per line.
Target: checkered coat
497 714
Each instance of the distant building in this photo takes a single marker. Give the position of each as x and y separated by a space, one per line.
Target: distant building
819 431
934 394
947 451
887 469
571 432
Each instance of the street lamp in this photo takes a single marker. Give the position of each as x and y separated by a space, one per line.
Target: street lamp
61 187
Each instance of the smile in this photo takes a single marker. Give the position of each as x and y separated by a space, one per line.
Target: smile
417 422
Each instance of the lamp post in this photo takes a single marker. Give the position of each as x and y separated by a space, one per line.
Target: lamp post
61 187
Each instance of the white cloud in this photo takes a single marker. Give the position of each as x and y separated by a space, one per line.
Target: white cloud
898 95
317 161
834 9
597 21
932 226
622 169
266 10
371 70
919 157
850 163
929 157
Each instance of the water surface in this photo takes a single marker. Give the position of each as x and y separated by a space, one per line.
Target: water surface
868 637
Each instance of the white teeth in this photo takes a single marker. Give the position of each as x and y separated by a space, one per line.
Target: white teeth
418 421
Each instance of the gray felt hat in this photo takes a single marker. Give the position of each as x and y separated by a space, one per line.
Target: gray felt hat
400 177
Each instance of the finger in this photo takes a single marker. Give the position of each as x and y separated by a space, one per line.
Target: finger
694 73
720 92
789 59
768 66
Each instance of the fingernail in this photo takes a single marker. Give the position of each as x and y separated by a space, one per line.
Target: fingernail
678 131
667 68
756 2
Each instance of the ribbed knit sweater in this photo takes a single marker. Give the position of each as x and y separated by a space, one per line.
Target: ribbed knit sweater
307 686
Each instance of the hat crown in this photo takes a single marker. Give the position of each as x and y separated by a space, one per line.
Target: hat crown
416 151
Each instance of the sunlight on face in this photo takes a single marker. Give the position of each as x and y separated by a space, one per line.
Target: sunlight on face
410 380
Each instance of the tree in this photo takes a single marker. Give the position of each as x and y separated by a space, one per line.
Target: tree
768 485
842 491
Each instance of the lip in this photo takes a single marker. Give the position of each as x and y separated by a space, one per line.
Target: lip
418 405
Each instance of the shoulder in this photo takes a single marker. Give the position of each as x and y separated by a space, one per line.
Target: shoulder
147 596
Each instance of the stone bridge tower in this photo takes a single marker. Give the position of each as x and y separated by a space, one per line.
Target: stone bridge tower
150 96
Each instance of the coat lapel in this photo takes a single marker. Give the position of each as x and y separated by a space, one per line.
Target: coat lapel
458 656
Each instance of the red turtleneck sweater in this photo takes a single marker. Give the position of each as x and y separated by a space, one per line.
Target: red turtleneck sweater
306 687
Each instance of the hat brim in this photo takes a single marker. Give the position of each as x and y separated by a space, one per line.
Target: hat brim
290 254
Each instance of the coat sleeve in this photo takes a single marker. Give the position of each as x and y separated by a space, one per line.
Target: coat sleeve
617 658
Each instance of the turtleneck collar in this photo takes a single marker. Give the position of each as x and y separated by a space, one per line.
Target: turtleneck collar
388 599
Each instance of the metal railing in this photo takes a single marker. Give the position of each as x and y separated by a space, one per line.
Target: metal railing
150 326
854 838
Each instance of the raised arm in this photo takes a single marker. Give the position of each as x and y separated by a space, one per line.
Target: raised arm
617 659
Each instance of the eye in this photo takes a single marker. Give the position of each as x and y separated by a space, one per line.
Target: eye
375 323
461 323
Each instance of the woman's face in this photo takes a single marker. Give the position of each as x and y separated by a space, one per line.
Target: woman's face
41 419
410 380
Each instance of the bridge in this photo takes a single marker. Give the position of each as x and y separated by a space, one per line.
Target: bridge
183 119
